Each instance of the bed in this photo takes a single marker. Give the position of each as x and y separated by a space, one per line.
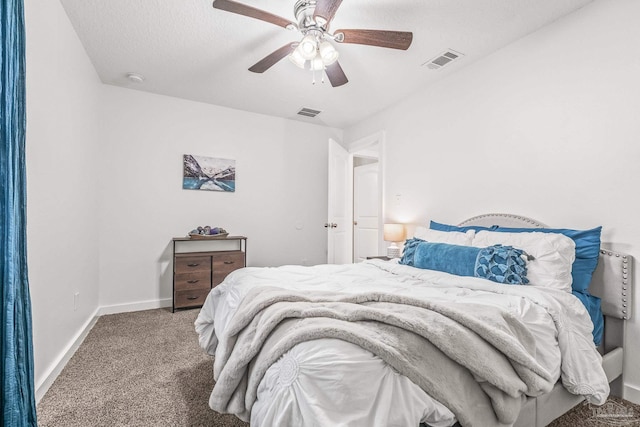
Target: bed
394 344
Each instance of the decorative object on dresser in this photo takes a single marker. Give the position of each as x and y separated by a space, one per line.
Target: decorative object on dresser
394 233
207 232
200 264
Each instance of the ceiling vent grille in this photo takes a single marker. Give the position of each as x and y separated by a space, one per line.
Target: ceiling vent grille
443 59
309 112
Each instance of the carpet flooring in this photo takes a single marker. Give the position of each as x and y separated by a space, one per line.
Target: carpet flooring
136 369
146 369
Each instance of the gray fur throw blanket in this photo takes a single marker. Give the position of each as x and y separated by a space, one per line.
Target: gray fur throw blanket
477 360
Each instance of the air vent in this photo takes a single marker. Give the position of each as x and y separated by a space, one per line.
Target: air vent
309 112
443 59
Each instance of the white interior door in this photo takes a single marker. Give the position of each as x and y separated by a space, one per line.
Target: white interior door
338 223
366 205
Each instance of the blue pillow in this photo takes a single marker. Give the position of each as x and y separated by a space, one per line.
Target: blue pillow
501 264
592 304
587 248
454 259
587 256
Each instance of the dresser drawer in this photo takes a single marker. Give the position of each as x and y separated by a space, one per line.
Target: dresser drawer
190 298
201 264
192 263
225 263
192 280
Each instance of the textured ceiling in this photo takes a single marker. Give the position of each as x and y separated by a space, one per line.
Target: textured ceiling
188 49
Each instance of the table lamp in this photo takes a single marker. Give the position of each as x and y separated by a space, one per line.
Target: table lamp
394 233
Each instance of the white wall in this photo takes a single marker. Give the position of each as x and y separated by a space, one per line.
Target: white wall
281 186
104 172
63 92
547 127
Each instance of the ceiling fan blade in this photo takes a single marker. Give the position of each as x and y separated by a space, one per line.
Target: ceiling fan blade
268 61
252 12
336 75
391 39
326 9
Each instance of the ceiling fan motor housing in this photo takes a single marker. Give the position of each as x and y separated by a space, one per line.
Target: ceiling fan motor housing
303 11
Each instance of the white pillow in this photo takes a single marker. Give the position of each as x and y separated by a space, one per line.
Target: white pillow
450 237
554 254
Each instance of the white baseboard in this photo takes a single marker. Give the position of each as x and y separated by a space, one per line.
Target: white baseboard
631 393
65 356
135 306
70 349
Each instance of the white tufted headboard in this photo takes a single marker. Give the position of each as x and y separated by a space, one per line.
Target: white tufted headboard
503 220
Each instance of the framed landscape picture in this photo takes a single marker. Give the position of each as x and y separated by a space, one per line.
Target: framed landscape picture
208 173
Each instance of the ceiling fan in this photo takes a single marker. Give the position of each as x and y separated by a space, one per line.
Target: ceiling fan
315 49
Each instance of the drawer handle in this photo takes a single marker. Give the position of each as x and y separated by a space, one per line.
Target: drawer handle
193 265
229 262
193 281
192 298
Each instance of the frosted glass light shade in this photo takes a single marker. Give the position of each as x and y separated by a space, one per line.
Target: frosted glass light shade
328 53
308 47
317 64
297 58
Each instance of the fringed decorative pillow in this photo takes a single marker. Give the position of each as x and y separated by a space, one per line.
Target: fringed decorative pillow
501 264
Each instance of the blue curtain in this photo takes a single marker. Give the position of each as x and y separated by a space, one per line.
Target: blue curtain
16 348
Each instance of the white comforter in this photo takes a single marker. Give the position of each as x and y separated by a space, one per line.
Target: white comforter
331 382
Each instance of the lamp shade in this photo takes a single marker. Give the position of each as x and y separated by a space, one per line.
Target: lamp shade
394 232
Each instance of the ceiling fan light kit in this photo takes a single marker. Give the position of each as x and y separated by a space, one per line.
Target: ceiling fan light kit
318 53
314 18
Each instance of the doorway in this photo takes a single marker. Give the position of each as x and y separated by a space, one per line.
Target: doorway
356 214
365 207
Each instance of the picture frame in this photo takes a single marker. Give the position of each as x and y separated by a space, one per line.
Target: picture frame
208 173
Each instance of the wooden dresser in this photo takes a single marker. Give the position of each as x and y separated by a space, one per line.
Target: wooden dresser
201 264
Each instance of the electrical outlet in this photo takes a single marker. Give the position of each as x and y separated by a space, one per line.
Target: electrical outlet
76 301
